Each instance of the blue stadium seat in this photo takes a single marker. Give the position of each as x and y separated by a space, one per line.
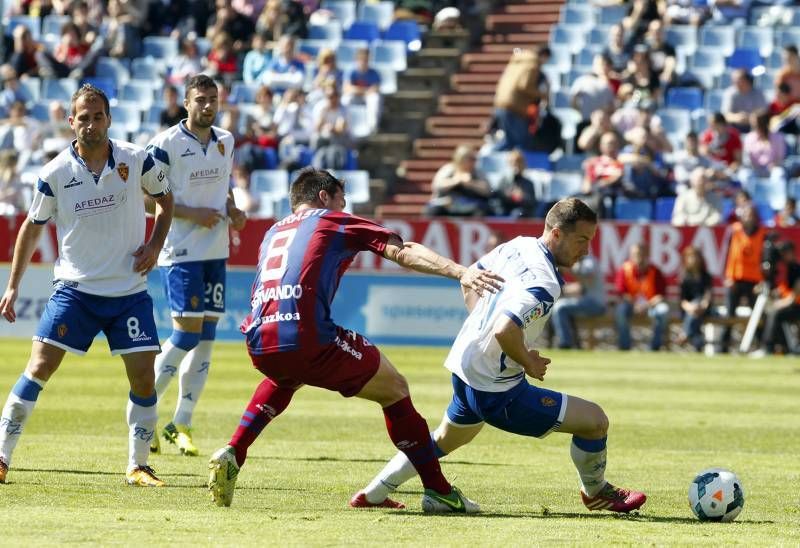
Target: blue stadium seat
147 69
747 59
330 31
407 31
51 24
380 13
367 31
537 160
626 209
684 98
243 93
581 15
346 53
569 118
598 36
675 121
788 37
311 48
711 61
389 53
138 93
153 114
722 38
159 47
584 60
126 116
713 100
573 38
559 99
356 185
59 90
494 166
274 182
682 35
33 88
570 162
107 85
32 23
40 111
765 213
761 38
561 58
611 15
664 207
113 68
344 10
358 121
271 158
563 185
388 80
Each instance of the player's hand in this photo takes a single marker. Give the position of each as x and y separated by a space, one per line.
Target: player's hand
238 218
481 280
205 216
7 305
537 366
145 259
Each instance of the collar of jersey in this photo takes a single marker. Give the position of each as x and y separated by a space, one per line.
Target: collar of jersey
111 162
552 260
185 130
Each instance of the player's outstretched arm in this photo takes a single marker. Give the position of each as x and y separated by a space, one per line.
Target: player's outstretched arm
27 239
512 341
419 258
147 254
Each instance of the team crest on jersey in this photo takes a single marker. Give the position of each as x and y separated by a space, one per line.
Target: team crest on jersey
194 301
62 330
221 147
547 401
123 171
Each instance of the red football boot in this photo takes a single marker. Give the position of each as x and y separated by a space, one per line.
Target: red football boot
359 500
614 499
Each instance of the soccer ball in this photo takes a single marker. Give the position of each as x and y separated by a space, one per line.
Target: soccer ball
716 494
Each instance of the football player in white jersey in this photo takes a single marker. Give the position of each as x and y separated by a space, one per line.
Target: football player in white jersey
94 191
494 352
197 159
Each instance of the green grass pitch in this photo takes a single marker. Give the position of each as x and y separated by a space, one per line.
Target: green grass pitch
672 415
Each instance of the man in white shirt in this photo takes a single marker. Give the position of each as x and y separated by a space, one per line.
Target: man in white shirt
94 190
494 352
197 158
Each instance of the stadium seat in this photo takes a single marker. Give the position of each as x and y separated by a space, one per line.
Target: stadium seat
561 58
570 162
569 118
126 116
119 133
358 121
389 53
572 38
713 100
107 85
33 88
710 61
685 98
243 93
159 47
747 59
611 15
148 69
664 207
51 24
788 37
553 77
138 93
407 31
584 60
559 99
721 37
59 90
675 121
344 10
271 158
388 80
684 36
311 48
113 68
579 15
366 31
537 160
761 38
356 185
626 209
494 167
346 53
766 214
32 23
274 182
40 111
330 31
203 45
379 13
153 114
563 185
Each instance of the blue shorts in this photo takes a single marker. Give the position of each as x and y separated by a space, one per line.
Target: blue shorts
195 289
525 409
72 319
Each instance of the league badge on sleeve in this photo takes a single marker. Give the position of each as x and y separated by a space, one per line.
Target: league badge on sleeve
221 147
123 171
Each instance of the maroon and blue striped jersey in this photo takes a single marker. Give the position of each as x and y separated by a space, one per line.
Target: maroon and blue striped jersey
301 260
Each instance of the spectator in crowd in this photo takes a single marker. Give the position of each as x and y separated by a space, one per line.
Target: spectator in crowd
641 289
57 124
239 28
68 57
331 137
447 18
617 51
743 266
592 91
188 63
763 150
685 161
784 309
788 215
243 199
271 21
589 136
696 285
222 61
644 176
697 205
325 74
12 190
784 111
740 99
262 117
362 87
249 8
23 57
20 132
789 73
685 12
257 59
640 14
721 142
173 111
515 195
123 22
640 80
458 188
294 125
520 86
12 90
742 202
662 54
82 18
603 174
584 297
284 70
645 125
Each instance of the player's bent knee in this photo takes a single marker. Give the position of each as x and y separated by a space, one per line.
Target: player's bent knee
600 421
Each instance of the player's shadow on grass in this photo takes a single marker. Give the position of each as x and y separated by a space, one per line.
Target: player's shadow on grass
572 515
90 472
378 461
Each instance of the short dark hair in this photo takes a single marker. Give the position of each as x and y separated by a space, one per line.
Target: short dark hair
200 81
719 118
88 90
308 184
791 48
566 213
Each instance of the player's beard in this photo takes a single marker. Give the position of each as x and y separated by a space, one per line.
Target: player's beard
94 140
204 122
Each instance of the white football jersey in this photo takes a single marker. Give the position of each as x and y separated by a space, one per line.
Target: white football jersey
532 286
100 223
199 177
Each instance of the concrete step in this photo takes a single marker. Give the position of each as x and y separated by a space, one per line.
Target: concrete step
446 58
466 100
472 78
474 89
457 132
455 121
532 7
482 110
417 164
518 39
419 199
439 154
445 143
452 39
399 211
428 79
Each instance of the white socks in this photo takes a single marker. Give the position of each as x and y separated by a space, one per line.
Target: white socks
167 364
193 376
16 411
396 472
142 416
589 457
